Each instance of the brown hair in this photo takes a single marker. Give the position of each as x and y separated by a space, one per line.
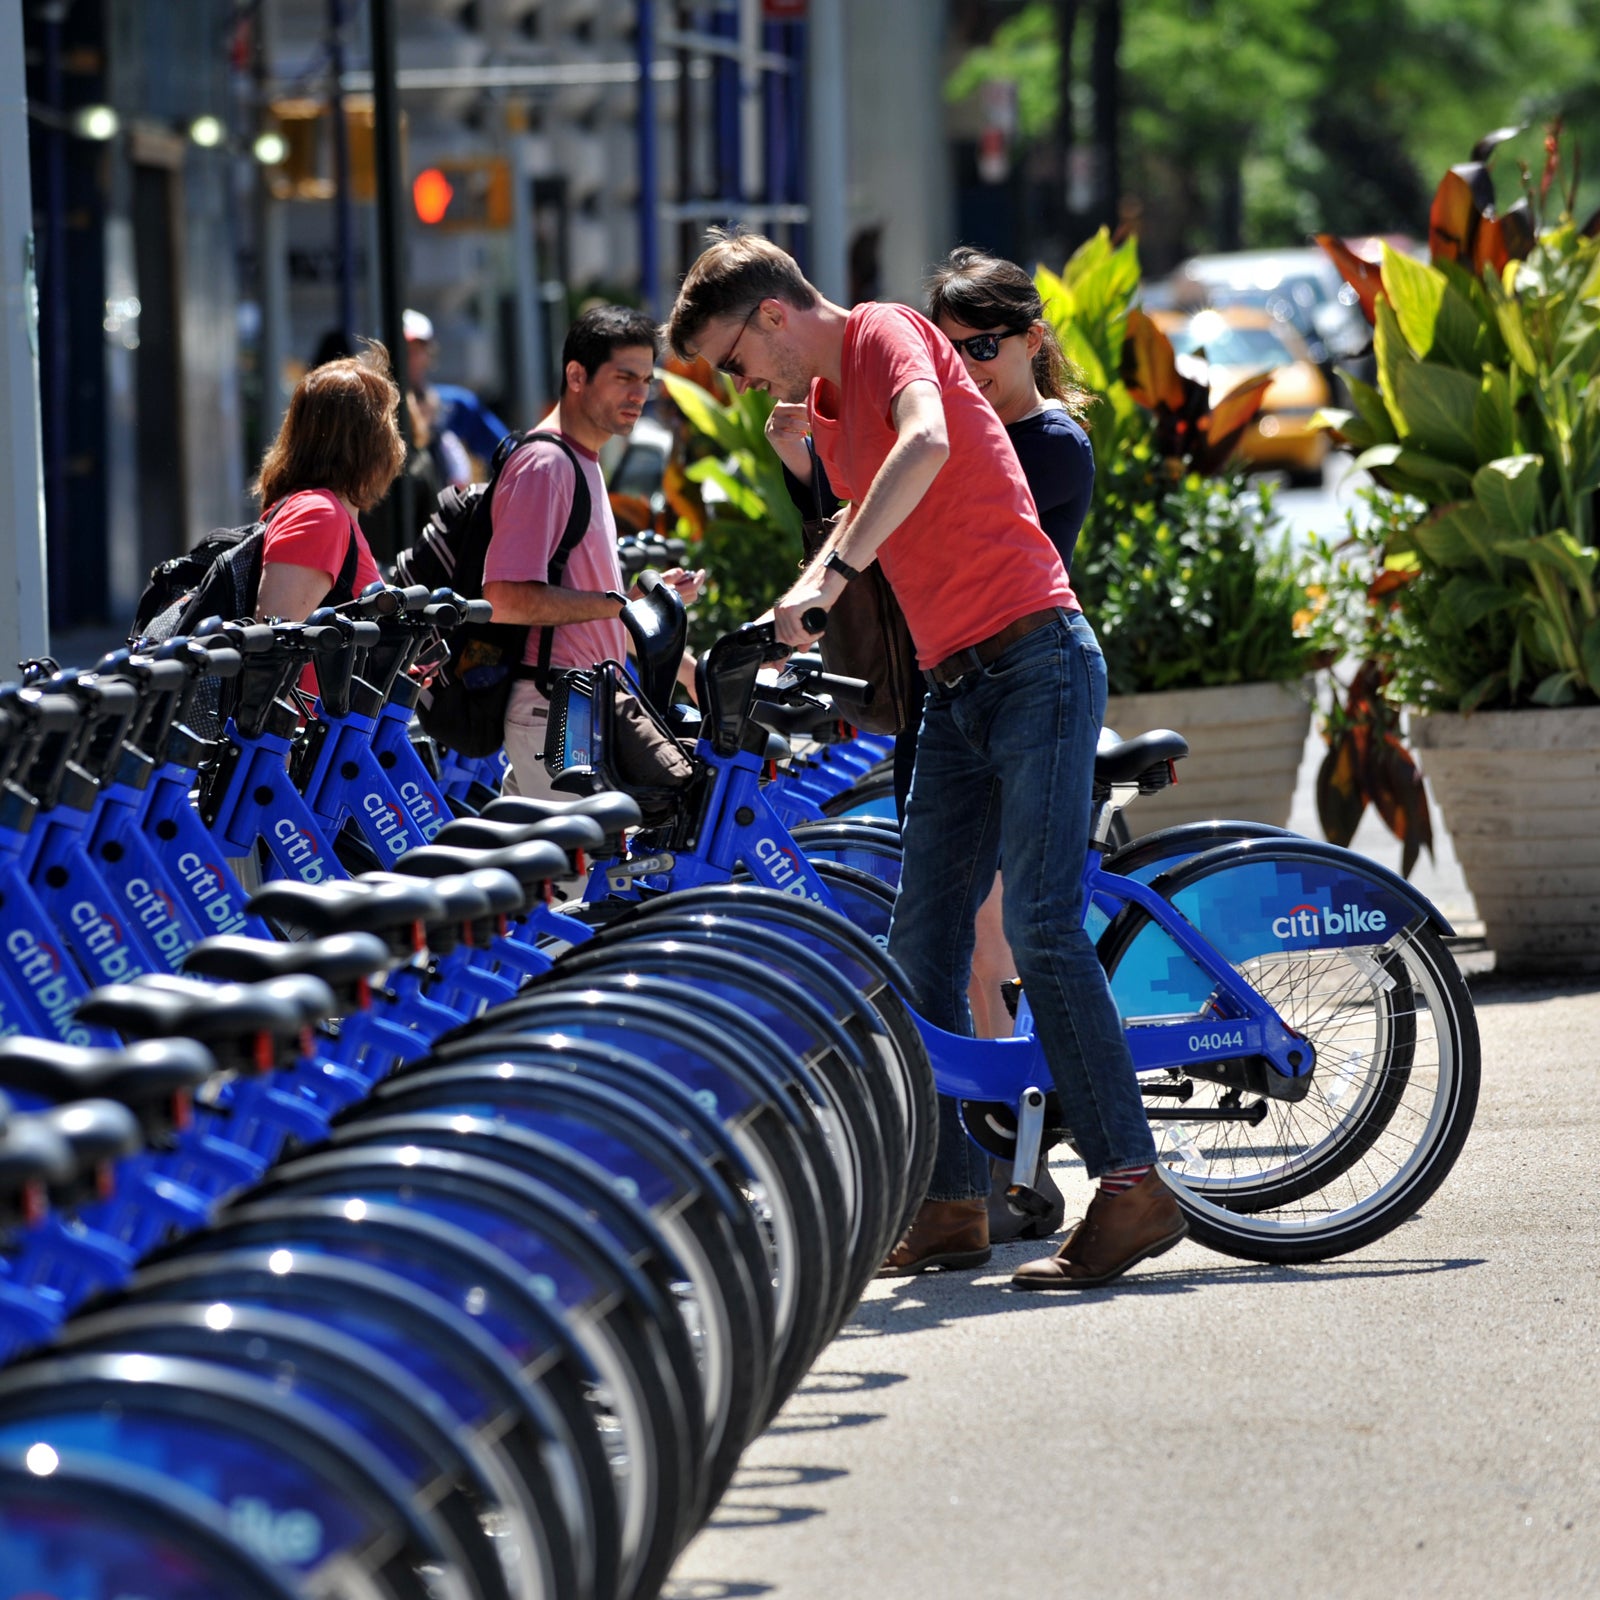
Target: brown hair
339 433
731 277
983 291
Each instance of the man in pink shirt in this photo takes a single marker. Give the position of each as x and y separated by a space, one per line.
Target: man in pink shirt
1005 756
608 365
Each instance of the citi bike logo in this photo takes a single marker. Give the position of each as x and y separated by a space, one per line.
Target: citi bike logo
104 943
784 866
205 884
158 916
423 807
389 820
301 851
39 966
1312 922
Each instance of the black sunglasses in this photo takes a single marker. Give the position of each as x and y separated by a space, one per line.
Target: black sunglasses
985 346
728 366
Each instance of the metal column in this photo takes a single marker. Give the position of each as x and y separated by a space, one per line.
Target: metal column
24 624
828 177
649 198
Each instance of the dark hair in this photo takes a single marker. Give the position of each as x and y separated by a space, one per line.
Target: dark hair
982 291
730 278
600 332
339 433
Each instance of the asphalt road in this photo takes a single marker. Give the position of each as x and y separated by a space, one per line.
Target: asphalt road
1421 1418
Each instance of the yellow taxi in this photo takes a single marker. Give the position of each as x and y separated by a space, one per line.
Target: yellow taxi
1238 342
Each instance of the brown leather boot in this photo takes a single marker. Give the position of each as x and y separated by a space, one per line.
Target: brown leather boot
1117 1231
944 1233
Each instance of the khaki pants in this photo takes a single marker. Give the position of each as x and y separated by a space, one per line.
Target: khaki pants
527 713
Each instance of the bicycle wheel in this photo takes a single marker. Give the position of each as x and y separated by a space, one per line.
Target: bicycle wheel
734 1070
850 944
1388 1107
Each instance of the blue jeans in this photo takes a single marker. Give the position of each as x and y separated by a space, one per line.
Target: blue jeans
1005 764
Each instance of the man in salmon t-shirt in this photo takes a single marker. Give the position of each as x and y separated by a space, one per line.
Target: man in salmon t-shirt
608 365
1005 757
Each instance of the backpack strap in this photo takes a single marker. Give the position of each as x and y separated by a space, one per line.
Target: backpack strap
344 584
571 535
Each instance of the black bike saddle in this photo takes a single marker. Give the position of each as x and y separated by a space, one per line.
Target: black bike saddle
99 1133
1130 760
615 813
154 1080
398 910
485 833
532 864
33 1159
249 1026
346 962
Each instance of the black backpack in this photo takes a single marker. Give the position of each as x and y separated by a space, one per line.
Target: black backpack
464 705
219 577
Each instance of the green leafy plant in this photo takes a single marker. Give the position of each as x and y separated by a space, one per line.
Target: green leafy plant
1486 420
747 534
1188 579
1180 566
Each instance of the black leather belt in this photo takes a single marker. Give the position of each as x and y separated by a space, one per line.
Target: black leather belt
954 668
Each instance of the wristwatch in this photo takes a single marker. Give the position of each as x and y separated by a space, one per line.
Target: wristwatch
837 563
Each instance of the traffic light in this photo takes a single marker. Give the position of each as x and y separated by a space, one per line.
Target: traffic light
463 194
305 169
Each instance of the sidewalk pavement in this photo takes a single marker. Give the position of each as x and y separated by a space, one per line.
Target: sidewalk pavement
1420 1418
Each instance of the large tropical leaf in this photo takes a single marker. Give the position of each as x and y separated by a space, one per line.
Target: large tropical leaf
1392 353
1341 803
1391 462
1370 404
1458 536
1416 291
1150 365
1492 435
1228 419
1437 405
1464 194
1499 240
1362 275
1508 491
703 413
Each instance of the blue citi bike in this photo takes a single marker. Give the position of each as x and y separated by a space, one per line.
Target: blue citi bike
1305 1044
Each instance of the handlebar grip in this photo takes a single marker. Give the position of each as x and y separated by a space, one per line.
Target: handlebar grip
223 663
415 597
256 638
166 677
856 688
814 620
53 713
478 611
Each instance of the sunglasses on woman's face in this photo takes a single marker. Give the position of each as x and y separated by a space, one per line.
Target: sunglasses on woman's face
985 346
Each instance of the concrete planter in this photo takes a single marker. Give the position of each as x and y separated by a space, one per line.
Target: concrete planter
1245 742
1519 791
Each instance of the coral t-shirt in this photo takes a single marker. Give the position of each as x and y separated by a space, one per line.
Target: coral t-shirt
310 528
971 557
532 502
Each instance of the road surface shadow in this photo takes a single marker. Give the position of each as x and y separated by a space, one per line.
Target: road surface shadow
934 1300
712 1589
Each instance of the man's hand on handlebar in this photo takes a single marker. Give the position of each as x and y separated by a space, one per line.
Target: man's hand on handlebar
796 616
688 584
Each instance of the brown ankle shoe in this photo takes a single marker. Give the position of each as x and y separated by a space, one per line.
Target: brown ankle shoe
944 1233
1117 1231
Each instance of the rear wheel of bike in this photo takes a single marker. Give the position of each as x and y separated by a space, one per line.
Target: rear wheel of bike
1391 1099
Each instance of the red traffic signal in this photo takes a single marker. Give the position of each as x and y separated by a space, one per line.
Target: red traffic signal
431 194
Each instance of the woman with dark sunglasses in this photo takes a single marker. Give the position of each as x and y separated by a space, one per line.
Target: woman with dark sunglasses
991 312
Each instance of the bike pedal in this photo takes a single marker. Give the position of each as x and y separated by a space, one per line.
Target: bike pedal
1011 993
1027 1200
